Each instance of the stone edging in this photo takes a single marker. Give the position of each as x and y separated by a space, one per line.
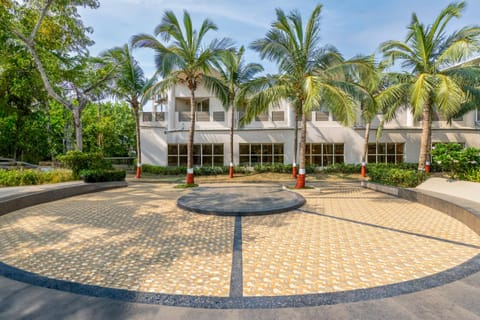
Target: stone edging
28 199
465 211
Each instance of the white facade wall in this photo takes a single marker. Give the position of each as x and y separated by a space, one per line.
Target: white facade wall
156 135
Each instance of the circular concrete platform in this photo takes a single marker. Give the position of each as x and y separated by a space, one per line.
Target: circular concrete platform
245 200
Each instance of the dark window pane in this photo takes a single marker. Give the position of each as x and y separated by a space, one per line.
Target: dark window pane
256 149
338 148
339 159
372 159
266 159
183 149
267 148
381 148
197 160
183 161
381 159
327 160
327 149
391 159
207 161
278 148
244 148
278 159
308 148
196 149
218 149
244 161
317 160
255 159
316 148
308 160
400 147
172 149
173 161
218 161
207 149
372 149
391 148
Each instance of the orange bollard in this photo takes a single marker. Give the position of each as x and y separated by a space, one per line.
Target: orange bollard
230 174
139 171
190 179
364 170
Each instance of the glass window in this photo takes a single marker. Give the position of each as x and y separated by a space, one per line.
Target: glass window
385 152
324 154
260 153
203 154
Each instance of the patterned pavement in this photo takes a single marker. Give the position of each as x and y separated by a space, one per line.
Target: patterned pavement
344 238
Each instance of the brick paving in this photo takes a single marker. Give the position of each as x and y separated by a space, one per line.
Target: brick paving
344 238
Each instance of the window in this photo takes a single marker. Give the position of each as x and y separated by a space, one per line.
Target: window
324 154
147 116
321 115
278 116
260 153
385 152
160 116
206 154
262 117
219 116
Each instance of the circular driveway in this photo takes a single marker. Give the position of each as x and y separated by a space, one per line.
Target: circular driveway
344 239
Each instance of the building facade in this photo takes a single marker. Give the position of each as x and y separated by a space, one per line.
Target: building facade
270 137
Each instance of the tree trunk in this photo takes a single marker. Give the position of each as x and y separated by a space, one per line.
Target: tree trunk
303 139
295 146
232 128
365 142
77 119
136 109
191 134
426 134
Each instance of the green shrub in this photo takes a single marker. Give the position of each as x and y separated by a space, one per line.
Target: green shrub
279 168
342 168
148 168
102 175
472 175
24 177
456 160
78 161
388 175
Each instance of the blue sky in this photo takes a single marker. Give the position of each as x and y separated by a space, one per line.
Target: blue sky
353 26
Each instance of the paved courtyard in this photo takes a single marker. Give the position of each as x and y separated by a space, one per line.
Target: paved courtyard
344 238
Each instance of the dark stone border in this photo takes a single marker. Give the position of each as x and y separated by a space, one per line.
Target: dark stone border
28 199
240 302
296 202
295 301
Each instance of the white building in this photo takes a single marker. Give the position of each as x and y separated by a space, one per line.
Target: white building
269 139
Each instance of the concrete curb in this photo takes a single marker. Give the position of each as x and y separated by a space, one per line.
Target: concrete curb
28 199
465 211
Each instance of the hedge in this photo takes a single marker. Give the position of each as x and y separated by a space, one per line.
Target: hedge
78 161
103 175
23 177
390 175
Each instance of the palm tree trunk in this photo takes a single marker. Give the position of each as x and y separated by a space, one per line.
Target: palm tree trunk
190 178
232 126
136 109
426 133
295 147
303 138
365 149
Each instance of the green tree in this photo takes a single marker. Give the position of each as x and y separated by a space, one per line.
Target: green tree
314 76
56 38
184 59
130 84
235 75
432 57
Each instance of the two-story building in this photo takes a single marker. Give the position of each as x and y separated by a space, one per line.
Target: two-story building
270 137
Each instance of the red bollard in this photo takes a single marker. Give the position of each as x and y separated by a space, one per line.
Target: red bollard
139 171
364 170
294 171
230 174
300 179
427 166
190 179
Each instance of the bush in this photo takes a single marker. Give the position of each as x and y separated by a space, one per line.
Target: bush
78 161
342 168
456 160
102 175
472 175
390 175
148 168
24 177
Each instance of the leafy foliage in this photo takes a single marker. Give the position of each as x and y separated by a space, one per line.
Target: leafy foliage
393 176
102 175
78 161
453 158
23 177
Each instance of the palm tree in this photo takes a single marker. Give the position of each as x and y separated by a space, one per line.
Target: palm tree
432 58
130 84
183 59
235 76
312 75
383 93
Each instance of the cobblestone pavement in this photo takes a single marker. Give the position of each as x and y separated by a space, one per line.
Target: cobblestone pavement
344 238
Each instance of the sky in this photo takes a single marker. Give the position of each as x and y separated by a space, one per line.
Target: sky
352 26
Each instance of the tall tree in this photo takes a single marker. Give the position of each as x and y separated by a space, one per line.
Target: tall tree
130 84
438 80
57 40
316 76
235 75
184 59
